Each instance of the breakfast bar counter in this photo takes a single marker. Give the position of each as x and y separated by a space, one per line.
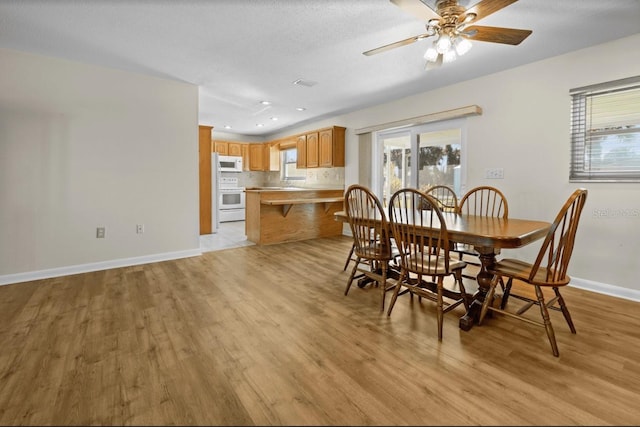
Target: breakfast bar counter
286 214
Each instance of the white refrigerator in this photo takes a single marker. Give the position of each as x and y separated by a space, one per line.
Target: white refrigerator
215 198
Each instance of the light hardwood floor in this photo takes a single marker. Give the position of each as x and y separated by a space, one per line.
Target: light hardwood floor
264 335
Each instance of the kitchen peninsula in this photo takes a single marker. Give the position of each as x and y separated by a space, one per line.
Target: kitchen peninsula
286 214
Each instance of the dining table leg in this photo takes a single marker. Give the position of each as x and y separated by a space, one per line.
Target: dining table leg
487 257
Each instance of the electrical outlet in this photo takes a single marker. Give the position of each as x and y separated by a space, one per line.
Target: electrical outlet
100 232
140 228
494 173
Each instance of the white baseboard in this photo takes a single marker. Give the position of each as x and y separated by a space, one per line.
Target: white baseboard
603 288
95 266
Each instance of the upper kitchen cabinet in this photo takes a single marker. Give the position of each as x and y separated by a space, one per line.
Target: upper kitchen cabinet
331 146
221 147
273 156
246 161
234 149
313 159
256 157
301 147
228 148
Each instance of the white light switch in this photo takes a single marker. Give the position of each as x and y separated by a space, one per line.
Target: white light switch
494 173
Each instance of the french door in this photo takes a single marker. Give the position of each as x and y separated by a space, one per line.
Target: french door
419 157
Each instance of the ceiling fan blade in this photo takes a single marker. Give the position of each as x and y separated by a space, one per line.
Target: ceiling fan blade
511 36
394 45
487 7
417 9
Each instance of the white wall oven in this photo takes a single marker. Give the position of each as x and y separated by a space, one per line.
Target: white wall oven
231 200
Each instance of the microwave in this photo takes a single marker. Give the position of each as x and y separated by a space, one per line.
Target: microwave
230 163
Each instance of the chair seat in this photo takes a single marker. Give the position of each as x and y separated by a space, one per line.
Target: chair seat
418 263
520 270
374 249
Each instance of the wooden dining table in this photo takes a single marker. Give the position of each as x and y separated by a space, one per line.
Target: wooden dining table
488 236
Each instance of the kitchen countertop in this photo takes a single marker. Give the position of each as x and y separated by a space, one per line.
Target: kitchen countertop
260 189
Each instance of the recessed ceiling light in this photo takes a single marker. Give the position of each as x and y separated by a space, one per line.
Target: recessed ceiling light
265 102
260 125
307 83
300 108
274 118
227 127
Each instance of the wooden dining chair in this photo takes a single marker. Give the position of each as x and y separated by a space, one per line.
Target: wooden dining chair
445 196
423 243
482 201
549 270
371 239
485 201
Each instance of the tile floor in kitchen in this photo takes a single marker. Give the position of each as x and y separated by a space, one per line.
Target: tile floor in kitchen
229 235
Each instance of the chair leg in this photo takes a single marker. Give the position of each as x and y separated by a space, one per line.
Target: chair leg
547 322
487 299
383 285
353 273
463 291
440 306
396 290
565 310
346 264
506 292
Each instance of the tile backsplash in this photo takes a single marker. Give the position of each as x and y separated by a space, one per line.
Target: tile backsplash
315 178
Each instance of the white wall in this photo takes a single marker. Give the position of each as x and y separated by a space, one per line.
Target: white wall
524 129
83 146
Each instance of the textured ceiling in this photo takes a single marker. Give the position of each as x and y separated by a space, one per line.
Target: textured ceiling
240 52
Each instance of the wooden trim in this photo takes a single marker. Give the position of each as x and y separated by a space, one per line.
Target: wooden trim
470 110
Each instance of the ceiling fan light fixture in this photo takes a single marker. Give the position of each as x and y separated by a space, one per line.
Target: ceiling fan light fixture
462 45
449 56
431 54
443 44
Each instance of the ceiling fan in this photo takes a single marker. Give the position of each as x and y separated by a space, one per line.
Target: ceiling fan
449 25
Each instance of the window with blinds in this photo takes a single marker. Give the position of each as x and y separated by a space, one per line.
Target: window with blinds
605 132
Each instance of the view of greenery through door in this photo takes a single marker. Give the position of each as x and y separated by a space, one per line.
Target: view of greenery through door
437 150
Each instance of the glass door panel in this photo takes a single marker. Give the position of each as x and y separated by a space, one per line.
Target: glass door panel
439 159
396 169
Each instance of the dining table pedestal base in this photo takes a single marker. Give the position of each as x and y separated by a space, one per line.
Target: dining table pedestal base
487 257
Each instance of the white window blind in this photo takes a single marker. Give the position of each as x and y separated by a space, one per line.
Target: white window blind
605 132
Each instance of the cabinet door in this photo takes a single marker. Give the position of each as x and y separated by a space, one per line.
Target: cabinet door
325 150
256 157
246 161
221 147
235 149
301 147
274 157
331 146
312 150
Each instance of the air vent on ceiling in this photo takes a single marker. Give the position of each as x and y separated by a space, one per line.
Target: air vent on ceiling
307 83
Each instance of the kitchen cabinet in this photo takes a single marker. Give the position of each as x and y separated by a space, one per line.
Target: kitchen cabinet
276 215
273 157
234 149
228 148
221 147
256 157
245 157
331 147
204 178
301 147
313 160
